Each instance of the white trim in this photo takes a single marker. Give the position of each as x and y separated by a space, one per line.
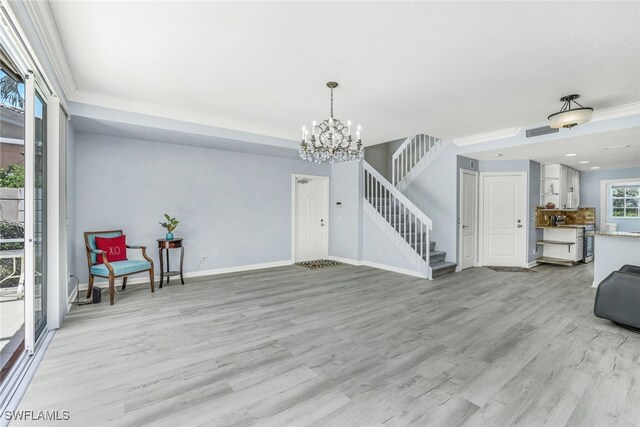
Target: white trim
378 266
393 269
29 181
12 141
487 136
604 210
55 212
616 112
533 264
201 273
294 177
525 182
71 298
46 31
345 260
460 198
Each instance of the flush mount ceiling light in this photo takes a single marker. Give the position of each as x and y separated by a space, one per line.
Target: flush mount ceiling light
584 161
330 140
618 147
570 154
569 117
595 167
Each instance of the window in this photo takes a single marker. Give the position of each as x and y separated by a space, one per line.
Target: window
625 199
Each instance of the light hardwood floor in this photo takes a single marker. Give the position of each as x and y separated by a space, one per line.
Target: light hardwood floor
343 346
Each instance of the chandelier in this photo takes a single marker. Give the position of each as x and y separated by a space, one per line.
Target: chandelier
569 117
330 140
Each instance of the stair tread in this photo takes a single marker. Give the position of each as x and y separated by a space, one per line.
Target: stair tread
441 265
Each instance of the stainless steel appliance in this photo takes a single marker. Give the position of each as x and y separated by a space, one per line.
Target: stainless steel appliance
587 246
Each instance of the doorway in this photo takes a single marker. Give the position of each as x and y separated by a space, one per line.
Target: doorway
503 212
310 222
468 227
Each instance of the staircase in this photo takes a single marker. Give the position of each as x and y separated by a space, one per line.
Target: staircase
412 157
406 225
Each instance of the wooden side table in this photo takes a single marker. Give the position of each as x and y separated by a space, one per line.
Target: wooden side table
165 245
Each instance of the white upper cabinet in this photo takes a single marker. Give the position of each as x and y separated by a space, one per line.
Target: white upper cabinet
560 185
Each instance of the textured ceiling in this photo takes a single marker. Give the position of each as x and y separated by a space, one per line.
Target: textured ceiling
445 68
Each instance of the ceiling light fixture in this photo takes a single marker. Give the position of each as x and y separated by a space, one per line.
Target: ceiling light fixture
584 161
497 155
595 167
569 117
570 154
330 140
618 147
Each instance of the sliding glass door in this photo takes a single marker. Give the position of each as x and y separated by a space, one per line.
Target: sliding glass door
39 215
12 190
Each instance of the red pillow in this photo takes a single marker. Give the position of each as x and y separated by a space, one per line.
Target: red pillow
115 247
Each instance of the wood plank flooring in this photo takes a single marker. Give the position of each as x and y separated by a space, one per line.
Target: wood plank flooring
346 346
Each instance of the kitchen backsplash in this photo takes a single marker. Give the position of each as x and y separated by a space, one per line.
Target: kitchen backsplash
574 216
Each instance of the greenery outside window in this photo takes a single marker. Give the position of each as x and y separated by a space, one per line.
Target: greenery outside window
625 200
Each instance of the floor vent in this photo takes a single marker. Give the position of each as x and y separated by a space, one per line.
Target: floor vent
544 130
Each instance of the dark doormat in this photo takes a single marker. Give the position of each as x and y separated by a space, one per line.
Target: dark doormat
512 269
318 263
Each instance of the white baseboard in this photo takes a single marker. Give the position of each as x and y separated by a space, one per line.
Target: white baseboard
71 298
345 260
379 266
533 264
201 273
393 269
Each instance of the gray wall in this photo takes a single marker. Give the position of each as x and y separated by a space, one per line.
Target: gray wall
434 192
235 205
353 235
71 205
345 236
379 249
590 194
379 156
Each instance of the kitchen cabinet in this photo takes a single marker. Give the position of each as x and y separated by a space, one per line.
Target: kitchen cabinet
562 245
560 185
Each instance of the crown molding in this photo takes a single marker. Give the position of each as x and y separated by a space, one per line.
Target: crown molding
598 116
488 136
616 112
47 31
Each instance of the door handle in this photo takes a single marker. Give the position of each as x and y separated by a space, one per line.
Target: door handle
465 226
322 223
519 224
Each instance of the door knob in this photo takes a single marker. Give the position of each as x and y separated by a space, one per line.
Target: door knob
519 224
465 226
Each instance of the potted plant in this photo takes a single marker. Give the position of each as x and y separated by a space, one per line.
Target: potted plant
170 225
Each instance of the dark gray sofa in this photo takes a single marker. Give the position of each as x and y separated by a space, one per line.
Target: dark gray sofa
618 297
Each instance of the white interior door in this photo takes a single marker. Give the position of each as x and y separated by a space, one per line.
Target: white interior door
468 218
503 219
311 219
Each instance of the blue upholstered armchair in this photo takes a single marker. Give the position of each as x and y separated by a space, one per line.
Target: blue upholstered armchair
111 270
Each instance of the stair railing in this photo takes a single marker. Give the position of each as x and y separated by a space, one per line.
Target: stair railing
409 154
391 204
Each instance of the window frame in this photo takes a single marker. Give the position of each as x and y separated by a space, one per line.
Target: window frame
612 198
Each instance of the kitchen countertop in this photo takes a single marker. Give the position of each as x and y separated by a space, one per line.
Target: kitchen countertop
549 227
618 234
